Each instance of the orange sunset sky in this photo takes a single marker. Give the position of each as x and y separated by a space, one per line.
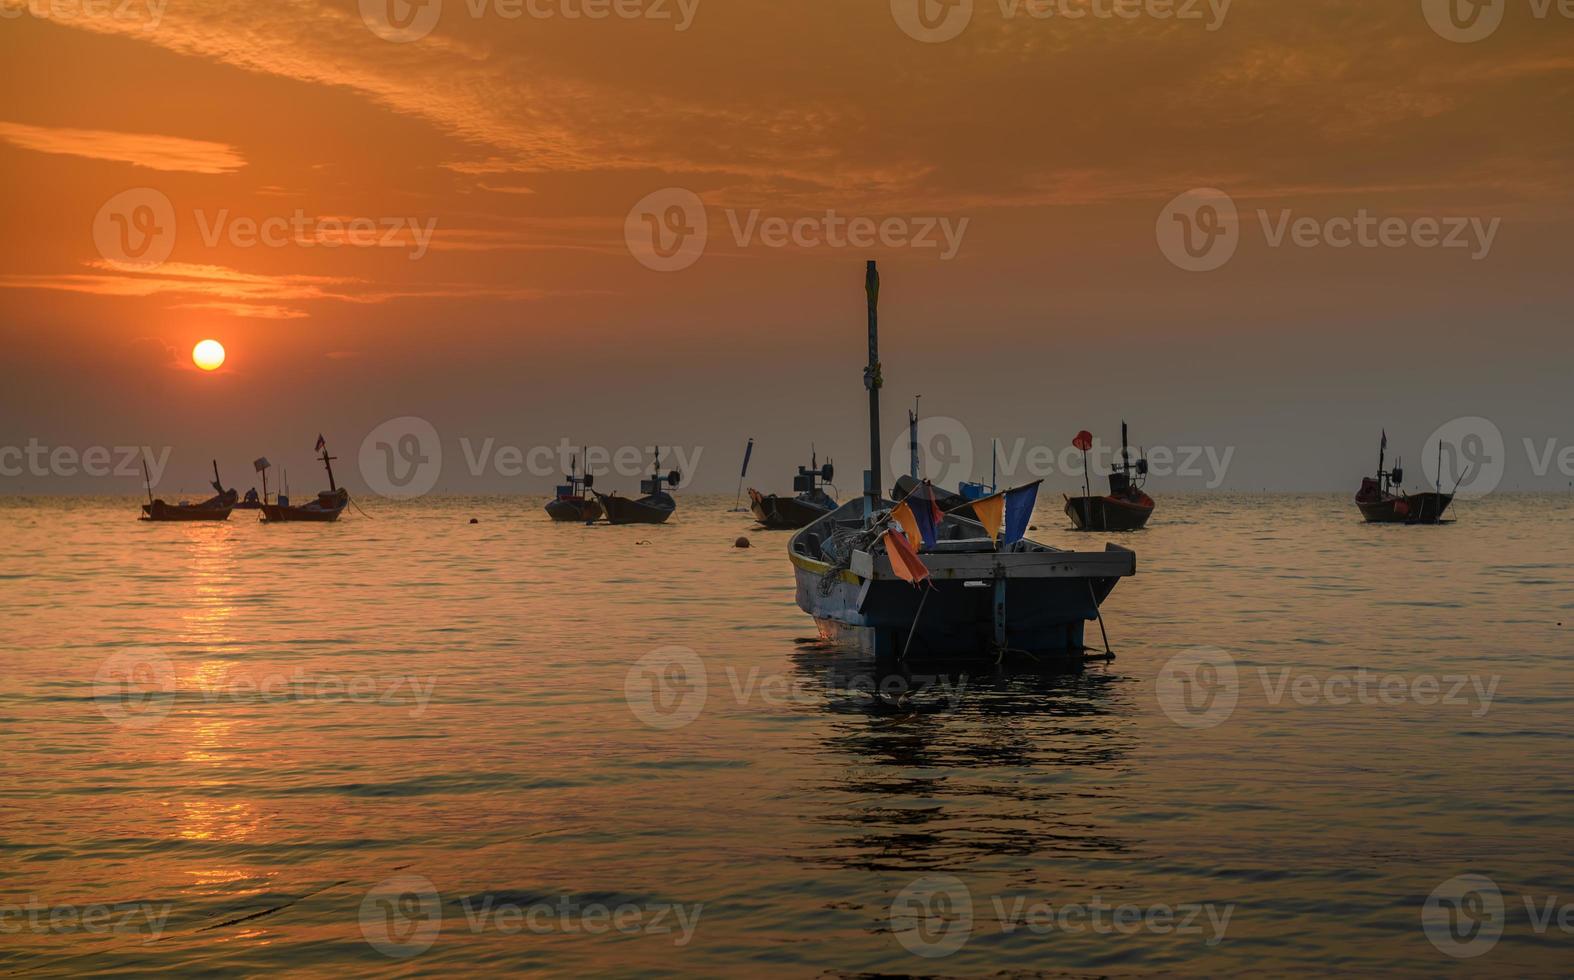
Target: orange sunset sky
520 144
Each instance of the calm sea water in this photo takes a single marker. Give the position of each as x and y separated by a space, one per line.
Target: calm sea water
409 743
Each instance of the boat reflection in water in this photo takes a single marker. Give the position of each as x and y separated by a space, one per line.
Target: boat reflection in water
941 768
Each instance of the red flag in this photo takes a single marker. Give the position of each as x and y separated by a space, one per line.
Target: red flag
904 560
321 444
1083 441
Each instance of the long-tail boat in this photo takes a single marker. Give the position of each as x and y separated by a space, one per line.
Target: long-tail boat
572 503
810 504
1382 500
1126 507
654 508
973 591
328 505
215 508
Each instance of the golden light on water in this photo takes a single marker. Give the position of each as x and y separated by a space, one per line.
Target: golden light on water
208 355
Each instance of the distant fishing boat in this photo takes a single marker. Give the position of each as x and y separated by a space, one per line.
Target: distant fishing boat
1382 500
979 490
215 508
1126 507
900 577
328 505
654 508
810 504
572 503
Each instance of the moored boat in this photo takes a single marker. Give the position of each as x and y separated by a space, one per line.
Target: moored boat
965 587
1126 507
653 508
810 504
572 503
1382 499
327 506
215 508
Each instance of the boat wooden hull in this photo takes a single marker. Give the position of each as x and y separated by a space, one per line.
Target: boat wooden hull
1109 513
654 509
158 510
1415 508
325 509
579 510
784 513
1029 597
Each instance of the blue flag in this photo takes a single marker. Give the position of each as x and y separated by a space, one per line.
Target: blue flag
926 513
1019 511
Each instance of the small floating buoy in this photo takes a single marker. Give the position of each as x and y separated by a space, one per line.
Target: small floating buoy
1033 528
741 543
474 521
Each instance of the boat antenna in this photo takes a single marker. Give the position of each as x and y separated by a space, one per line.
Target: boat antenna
218 485
327 462
912 438
872 381
1382 447
147 480
1440 466
743 473
994 465
1125 454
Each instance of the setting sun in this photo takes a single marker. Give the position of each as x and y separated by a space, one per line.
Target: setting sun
208 355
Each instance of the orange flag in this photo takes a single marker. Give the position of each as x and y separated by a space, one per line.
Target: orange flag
903 515
990 512
904 560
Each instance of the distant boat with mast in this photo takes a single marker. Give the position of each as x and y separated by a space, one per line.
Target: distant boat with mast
907 577
1382 499
653 508
1126 507
810 504
572 502
215 508
327 506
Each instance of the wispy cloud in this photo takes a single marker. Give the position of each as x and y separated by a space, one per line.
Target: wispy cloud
169 153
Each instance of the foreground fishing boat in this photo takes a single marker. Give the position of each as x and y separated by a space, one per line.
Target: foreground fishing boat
965 587
1126 507
572 503
328 505
215 508
654 508
810 504
1379 502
